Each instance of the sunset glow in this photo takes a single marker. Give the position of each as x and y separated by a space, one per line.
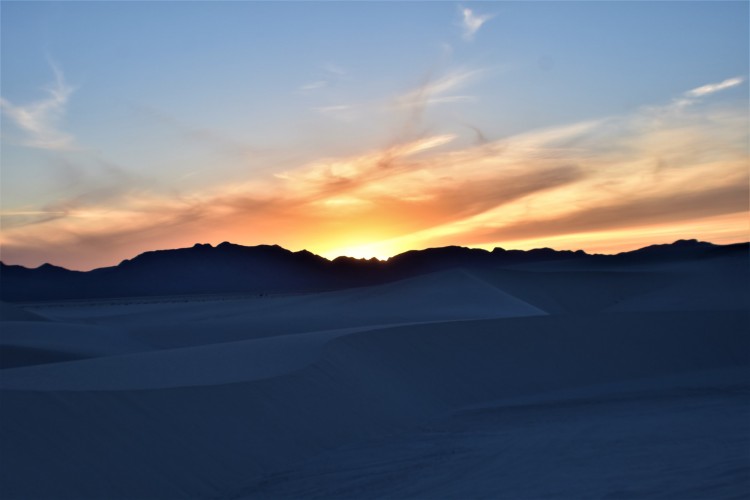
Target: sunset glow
470 128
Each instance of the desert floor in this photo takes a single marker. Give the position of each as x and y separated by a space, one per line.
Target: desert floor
523 383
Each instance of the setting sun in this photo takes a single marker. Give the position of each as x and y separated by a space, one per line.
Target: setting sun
370 251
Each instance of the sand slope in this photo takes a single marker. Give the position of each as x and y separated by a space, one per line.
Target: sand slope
364 385
665 437
204 353
448 295
9 312
24 343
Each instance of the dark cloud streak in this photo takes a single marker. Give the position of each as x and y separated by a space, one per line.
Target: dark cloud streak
633 212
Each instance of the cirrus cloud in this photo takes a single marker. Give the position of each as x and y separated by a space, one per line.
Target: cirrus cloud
40 120
471 22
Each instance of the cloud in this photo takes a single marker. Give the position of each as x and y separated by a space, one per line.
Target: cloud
328 109
40 120
434 90
20 218
712 88
334 69
331 75
81 182
633 211
220 143
632 174
335 111
471 22
314 85
692 96
623 173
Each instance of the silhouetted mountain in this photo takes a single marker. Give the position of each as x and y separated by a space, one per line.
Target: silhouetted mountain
225 268
229 268
680 249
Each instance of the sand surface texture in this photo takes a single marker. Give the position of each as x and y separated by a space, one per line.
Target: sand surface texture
520 383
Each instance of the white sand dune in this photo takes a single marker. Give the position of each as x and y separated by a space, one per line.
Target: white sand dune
666 437
564 287
9 312
449 385
448 295
29 338
561 292
30 342
212 364
427 299
215 440
727 289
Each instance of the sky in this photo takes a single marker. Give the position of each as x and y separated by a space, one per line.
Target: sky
369 128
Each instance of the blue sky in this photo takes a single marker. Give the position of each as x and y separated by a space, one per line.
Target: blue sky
143 108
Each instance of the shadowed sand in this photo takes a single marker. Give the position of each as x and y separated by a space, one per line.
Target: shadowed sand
509 383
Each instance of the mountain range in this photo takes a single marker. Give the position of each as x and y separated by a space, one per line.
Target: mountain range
231 268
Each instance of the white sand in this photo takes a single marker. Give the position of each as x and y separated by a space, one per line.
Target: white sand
450 385
9 312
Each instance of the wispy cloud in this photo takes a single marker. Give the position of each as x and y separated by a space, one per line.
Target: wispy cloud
443 89
40 120
632 210
692 96
342 112
433 91
331 74
471 22
318 84
714 87
220 142
20 218
334 69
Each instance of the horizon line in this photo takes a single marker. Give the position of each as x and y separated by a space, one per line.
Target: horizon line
224 243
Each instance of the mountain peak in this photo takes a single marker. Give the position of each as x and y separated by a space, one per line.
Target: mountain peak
692 243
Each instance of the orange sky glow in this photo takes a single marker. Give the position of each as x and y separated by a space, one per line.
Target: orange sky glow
607 185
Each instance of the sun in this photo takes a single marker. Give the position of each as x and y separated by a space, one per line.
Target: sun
366 251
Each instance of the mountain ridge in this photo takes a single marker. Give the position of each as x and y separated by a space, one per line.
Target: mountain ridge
232 268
